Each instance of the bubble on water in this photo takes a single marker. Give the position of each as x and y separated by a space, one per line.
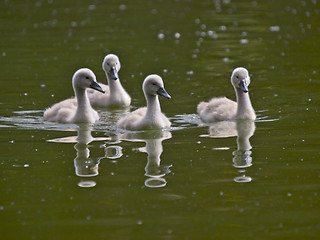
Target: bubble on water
177 35
190 72
123 7
225 59
4 54
244 41
223 28
274 28
92 7
139 222
73 24
161 36
212 34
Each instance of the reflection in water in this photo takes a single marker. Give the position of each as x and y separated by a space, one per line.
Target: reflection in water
113 152
243 129
84 165
154 149
242 156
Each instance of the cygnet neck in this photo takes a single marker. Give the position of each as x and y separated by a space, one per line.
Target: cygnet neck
244 109
153 106
114 85
82 100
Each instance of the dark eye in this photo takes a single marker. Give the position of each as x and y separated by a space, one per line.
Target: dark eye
153 84
237 77
87 77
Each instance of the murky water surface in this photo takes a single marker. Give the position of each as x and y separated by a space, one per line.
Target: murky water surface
234 180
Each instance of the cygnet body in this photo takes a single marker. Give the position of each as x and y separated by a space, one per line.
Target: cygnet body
78 109
149 117
222 108
115 95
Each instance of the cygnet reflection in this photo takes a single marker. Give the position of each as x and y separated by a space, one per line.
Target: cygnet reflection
243 130
84 165
153 169
242 156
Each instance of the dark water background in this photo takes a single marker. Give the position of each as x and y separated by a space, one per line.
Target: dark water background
178 184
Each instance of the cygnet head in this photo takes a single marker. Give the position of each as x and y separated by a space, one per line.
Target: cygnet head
85 78
153 85
240 79
111 65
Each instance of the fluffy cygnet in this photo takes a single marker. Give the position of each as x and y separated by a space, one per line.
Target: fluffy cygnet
115 95
149 117
78 109
222 108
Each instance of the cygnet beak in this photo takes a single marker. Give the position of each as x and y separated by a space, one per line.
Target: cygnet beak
94 85
243 86
114 73
162 92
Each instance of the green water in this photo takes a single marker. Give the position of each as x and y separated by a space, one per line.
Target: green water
184 183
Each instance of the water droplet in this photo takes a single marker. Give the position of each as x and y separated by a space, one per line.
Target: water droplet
190 72
244 41
74 24
161 36
274 28
225 59
123 7
223 28
177 35
92 7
